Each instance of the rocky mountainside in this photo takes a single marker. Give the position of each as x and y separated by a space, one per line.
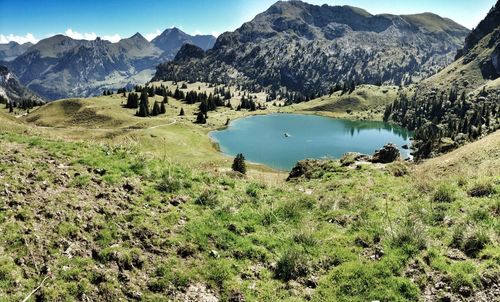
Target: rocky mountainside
307 49
62 67
12 90
485 27
12 50
460 103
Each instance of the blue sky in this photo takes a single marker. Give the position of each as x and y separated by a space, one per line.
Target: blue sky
32 20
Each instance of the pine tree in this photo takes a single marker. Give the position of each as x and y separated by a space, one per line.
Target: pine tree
163 110
239 164
11 107
165 98
156 109
200 118
182 112
143 110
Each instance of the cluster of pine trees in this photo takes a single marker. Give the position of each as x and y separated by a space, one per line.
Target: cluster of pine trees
445 119
25 104
247 103
107 92
134 101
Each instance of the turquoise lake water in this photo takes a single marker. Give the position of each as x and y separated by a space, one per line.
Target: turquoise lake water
280 140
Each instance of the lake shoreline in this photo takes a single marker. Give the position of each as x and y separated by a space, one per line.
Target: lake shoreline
348 128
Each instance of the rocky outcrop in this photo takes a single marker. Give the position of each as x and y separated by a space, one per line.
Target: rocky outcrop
189 51
387 154
491 21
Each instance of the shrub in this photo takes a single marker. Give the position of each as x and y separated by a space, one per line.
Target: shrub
208 198
305 238
172 183
458 235
481 188
253 190
291 210
444 193
397 169
218 271
291 265
474 243
410 236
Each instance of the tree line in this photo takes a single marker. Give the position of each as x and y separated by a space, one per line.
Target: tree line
442 120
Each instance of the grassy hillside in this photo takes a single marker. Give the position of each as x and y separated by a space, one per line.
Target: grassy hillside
366 101
176 138
108 222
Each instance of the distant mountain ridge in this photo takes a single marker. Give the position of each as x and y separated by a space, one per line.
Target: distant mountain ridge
12 50
308 48
12 90
62 67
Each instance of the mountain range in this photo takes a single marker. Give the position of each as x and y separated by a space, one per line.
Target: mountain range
12 50
62 67
13 90
307 49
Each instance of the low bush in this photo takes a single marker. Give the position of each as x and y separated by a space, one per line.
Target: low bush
291 265
444 193
481 188
209 198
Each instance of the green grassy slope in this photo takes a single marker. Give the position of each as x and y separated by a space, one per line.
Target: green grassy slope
110 222
367 101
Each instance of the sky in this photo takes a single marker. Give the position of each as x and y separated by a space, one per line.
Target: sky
32 20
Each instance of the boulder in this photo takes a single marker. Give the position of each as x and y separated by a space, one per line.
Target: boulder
387 154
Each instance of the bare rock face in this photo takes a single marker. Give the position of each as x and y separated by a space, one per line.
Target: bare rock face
387 154
13 90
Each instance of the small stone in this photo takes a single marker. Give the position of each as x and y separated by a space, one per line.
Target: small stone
214 254
100 172
465 291
312 282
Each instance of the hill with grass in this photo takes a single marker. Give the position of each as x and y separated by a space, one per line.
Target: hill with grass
365 102
105 219
307 49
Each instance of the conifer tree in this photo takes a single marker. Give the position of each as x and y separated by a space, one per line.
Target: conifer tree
239 164
200 118
182 112
163 110
156 109
143 110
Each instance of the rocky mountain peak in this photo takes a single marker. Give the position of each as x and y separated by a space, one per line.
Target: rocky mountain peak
306 48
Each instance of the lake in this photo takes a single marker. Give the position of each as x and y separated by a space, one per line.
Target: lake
280 140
